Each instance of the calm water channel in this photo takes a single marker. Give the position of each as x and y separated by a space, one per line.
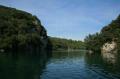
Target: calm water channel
79 65
62 65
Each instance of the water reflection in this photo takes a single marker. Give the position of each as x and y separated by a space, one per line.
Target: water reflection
102 66
62 65
79 65
111 58
21 66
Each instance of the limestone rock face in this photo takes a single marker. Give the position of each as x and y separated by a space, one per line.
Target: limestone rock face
109 47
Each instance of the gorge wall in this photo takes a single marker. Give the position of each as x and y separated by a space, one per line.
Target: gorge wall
20 30
107 40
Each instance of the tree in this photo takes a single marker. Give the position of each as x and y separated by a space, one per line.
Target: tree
108 33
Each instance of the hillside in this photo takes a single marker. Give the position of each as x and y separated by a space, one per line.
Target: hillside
20 30
109 33
65 44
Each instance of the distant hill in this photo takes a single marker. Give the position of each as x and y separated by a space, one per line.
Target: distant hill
20 30
65 44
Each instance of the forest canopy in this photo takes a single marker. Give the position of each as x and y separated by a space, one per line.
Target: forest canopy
64 44
20 30
109 33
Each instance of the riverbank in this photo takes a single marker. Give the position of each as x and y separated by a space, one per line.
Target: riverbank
76 50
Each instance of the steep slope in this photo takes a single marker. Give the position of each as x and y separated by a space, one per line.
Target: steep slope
108 35
20 30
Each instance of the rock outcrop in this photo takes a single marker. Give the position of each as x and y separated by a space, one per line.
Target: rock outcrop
109 47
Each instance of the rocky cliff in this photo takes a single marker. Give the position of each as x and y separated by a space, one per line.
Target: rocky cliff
109 47
104 39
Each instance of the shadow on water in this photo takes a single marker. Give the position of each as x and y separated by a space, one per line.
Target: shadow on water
22 66
70 55
62 65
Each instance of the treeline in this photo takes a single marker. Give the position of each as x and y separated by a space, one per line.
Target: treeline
20 30
108 33
65 44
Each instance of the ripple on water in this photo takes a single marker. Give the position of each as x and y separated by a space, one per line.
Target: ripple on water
77 67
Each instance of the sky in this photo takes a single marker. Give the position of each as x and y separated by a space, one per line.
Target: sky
72 19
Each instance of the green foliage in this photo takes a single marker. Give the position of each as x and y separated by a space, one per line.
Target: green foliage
109 33
20 30
64 44
93 42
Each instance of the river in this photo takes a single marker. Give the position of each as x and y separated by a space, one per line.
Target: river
62 65
79 65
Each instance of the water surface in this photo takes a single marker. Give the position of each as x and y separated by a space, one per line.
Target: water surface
79 65
62 65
